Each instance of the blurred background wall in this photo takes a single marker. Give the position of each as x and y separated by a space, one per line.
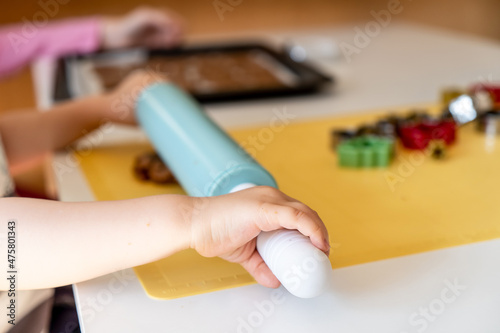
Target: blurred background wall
475 16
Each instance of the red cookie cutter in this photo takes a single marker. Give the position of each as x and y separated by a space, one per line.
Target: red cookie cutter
419 135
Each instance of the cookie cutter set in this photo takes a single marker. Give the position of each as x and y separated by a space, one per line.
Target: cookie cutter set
373 145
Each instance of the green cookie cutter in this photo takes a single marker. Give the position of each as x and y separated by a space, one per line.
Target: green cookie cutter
366 152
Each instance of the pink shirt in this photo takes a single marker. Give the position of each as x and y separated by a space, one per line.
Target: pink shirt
22 43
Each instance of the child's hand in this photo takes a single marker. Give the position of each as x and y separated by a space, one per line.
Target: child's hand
144 26
122 100
227 226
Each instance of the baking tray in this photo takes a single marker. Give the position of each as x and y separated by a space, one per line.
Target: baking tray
81 75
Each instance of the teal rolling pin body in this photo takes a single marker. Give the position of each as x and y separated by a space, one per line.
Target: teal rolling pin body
207 162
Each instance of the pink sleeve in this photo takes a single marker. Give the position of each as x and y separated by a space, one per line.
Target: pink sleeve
22 43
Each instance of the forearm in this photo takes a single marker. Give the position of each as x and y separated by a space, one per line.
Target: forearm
63 243
27 135
22 43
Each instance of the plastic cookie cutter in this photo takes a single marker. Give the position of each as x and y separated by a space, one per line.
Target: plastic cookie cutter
383 128
467 108
365 152
489 123
489 90
418 135
340 135
437 149
387 128
450 93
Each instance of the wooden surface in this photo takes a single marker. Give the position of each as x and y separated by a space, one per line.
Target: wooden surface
17 92
478 17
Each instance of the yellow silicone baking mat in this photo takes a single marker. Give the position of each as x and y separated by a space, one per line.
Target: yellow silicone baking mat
417 204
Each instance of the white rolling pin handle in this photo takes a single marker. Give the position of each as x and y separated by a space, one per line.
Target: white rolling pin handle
302 268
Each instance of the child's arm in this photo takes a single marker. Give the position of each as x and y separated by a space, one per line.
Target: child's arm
22 43
28 135
149 27
62 243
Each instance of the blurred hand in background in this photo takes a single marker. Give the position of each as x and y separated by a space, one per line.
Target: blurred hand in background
144 26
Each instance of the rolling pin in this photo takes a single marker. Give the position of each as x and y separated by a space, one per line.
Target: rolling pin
207 162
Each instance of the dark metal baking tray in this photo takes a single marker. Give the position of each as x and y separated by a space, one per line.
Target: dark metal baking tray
308 79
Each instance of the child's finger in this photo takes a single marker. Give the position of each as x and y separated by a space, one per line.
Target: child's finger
291 217
260 271
315 216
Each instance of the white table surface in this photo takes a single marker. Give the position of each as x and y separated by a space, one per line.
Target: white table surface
405 64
